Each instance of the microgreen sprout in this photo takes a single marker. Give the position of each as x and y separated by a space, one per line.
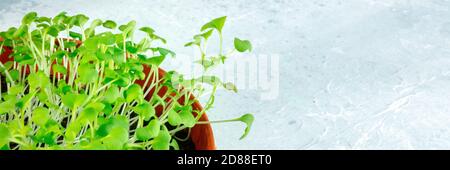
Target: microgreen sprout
67 86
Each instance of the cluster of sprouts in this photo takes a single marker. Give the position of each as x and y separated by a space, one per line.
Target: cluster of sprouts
66 86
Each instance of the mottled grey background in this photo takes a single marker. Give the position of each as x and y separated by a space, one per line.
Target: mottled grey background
353 74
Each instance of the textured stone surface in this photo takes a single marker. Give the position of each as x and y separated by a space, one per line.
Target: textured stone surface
353 74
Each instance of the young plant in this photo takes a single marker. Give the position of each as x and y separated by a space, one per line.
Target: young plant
67 86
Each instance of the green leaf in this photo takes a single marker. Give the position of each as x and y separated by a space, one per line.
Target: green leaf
147 30
128 29
142 134
50 138
5 147
59 18
53 31
156 37
38 80
190 44
21 31
72 100
154 126
40 116
91 44
8 106
174 118
59 69
59 54
14 75
143 45
154 60
108 109
131 48
248 120
72 131
25 100
206 34
187 118
5 134
53 126
215 24
44 19
28 18
107 125
198 38
133 92
90 113
80 19
111 94
75 35
116 138
25 59
89 32
164 52
16 89
230 86
87 73
43 26
242 45
109 24
96 23
145 110
106 38
162 141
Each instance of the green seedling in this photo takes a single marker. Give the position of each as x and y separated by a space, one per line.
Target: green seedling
69 86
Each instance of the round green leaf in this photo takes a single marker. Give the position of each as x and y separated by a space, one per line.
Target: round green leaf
87 73
145 110
162 141
242 45
28 18
72 100
187 118
96 23
174 118
142 134
59 69
133 92
154 127
8 106
80 19
90 113
40 116
147 30
53 31
116 138
109 24
111 94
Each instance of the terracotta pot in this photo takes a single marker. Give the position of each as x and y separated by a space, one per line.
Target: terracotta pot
201 135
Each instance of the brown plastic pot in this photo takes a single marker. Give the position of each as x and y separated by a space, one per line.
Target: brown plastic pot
201 135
